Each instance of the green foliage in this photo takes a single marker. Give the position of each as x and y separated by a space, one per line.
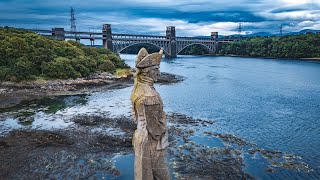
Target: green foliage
23 69
194 49
107 66
26 55
103 51
4 73
293 46
60 67
84 65
116 60
134 49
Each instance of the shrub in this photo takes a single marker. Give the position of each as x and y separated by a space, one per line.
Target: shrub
85 66
59 68
4 73
117 61
23 69
25 54
107 66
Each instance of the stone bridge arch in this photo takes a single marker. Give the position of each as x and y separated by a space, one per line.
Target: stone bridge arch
171 44
209 47
120 48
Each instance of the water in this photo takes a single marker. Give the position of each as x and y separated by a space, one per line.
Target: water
274 104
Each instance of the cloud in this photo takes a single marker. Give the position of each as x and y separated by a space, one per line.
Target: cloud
299 15
191 18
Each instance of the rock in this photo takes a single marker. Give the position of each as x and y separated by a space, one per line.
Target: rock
229 138
4 144
167 78
270 170
103 75
3 90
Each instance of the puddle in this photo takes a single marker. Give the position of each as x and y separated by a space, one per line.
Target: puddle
208 141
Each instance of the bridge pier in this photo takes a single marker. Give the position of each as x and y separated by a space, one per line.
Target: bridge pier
91 40
107 37
171 44
58 34
215 38
171 36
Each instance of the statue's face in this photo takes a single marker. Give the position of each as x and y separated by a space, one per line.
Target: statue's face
151 72
154 73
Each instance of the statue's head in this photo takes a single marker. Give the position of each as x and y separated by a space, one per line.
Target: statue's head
149 64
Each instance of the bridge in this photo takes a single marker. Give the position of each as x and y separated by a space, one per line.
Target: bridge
171 44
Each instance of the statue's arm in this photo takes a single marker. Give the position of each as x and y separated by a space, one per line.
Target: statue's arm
140 115
155 124
150 116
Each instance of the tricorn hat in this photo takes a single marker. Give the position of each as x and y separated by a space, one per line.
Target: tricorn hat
144 59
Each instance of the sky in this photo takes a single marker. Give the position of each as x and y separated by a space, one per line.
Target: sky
191 18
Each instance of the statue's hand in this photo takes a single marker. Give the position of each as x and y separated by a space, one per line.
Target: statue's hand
141 123
133 114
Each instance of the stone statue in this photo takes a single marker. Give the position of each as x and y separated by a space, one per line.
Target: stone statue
150 139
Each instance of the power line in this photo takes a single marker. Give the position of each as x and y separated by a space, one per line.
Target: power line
281 26
240 28
73 27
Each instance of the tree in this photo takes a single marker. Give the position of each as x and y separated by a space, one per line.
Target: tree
26 55
295 46
23 69
59 68
4 73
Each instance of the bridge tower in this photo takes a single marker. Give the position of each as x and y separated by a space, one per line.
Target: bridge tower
171 36
58 33
107 37
215 37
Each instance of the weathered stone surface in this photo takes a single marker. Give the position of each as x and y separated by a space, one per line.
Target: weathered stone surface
103 75
150 140
167 78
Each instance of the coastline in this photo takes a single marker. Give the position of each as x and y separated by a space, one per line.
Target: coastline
48 152
262 57
12 93
91 142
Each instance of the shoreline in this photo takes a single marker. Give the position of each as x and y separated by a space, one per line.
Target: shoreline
99 145
274 58
12 93
49 152
262 57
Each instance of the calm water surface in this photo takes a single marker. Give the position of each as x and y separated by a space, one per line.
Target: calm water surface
272 103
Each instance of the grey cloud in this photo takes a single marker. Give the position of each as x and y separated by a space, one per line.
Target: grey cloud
128 16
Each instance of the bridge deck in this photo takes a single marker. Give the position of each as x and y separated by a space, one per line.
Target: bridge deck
129 37
171 44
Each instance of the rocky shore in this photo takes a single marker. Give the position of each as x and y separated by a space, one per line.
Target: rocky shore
12 93
86 150
79 152
88 146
